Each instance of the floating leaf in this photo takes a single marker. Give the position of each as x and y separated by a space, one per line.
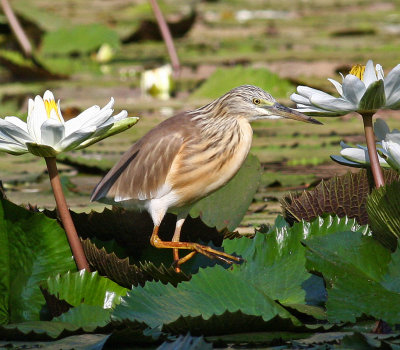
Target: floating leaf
226 207
242 298
86 316
343 195
32 248
125 274
282 259
132 229
186 342
323 338
224 79
383 207
83 341
254 339
83 322
44 18
26 69
81 39
211 292
360 274
84 287
39 330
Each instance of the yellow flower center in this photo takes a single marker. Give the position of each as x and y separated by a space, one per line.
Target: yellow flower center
49 105
358 71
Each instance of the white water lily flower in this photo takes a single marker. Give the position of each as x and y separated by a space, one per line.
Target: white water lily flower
356 157
363 90
390 144
46 133
388 148
157 82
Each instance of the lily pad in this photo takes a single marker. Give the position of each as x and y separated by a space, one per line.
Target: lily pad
33 247
383 207
81 39
253 296
126 274
225 79
341 195
84 287
186 343
356 283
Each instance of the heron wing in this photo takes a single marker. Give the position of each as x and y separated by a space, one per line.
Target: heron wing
141 172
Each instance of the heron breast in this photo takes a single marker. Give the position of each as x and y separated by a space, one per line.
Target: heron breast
207 164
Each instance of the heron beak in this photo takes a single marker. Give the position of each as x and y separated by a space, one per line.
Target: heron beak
285 112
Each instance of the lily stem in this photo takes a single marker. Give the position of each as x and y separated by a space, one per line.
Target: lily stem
373 156
65 215
166 34
16 28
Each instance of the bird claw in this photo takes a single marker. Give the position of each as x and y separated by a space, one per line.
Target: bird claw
216 254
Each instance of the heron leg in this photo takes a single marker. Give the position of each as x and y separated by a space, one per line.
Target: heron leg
175 238
194 247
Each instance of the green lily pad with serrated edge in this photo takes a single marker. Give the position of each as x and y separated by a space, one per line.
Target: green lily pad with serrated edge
33 247
360 274
250 296
383 207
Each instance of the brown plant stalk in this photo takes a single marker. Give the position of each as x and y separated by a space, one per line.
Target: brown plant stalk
16 28
166 34
65 215
373 156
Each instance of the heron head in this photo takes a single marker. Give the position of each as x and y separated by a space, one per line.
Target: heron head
254 103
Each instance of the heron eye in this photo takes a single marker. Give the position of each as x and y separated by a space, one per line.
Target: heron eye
256 101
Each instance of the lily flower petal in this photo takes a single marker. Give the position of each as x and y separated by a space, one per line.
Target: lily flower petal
116 118
379 72
394 137
46 134
109 130
308 92
364 90
393 151
17 122
299 99
313 110
344 161
12 148
92 116
392 87
337 85
13 133
36 118
356 155
332 103
52 132
369 74
359 155
74 139
353 89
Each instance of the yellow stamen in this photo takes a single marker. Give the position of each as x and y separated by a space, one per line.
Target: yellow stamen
49 105
358 71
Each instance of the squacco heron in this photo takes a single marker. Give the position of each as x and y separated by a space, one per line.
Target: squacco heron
187 157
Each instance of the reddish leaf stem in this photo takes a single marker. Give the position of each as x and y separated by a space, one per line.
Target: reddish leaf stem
65 215
16 28
373 156
166 34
